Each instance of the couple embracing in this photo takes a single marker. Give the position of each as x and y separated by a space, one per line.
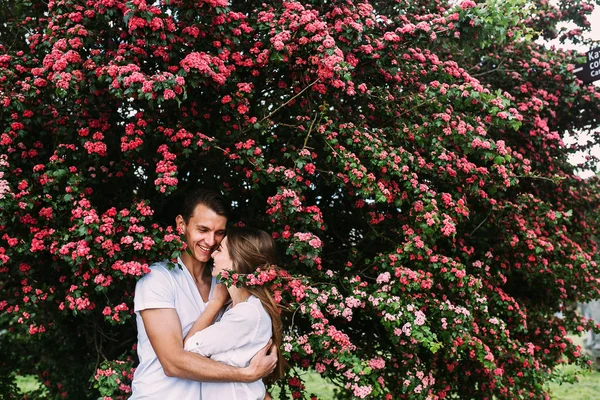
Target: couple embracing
183 353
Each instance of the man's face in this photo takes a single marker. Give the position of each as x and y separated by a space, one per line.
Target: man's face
203 232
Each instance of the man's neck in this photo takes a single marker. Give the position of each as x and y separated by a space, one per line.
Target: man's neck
197 268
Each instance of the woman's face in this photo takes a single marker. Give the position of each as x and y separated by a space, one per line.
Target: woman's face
222 262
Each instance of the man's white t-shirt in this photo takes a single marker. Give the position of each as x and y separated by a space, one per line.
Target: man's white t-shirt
165 288
234 340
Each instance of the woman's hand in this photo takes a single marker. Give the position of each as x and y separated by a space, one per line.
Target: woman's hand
220 295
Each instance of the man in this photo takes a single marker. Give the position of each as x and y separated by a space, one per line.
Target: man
168 302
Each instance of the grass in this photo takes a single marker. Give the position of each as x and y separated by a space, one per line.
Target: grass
319 386
587 388
28 383
315 384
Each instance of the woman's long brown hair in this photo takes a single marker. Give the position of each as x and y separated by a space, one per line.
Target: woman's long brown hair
250 249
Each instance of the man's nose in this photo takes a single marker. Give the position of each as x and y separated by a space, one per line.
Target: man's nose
209 239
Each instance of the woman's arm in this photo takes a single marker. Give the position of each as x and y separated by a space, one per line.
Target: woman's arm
219 297
238 327
164 331
206 319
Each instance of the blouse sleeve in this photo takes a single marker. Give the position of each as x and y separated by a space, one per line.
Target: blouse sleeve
237 327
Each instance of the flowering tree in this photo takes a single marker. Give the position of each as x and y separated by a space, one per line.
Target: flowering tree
407 156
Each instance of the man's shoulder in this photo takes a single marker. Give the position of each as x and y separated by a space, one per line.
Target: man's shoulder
166 265
162 277
164 268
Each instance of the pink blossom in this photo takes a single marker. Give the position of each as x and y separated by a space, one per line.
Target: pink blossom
168 94
466 4
383 278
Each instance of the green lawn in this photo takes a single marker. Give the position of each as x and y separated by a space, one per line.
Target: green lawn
316 385
28 383
587 388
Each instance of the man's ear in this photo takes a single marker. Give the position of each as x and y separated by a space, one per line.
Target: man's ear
180 223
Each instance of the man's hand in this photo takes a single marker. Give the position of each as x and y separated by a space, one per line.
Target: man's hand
263 363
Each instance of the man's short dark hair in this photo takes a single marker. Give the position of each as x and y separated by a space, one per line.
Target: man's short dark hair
209 198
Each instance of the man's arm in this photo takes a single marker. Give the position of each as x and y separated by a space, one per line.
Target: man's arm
164 331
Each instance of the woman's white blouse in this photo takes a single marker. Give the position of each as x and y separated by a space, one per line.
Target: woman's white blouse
242 331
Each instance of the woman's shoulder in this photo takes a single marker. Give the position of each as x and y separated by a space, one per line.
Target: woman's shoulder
254 302
249 309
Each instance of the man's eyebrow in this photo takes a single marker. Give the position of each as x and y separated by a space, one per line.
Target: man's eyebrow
200 226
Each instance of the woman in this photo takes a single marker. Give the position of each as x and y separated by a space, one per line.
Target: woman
249 322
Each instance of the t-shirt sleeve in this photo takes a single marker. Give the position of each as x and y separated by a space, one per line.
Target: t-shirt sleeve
154 290
236 328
